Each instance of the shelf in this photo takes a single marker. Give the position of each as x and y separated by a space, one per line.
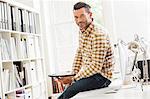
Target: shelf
4 61
27 59
26 86
17 32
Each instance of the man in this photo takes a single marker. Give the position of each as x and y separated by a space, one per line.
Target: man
94 58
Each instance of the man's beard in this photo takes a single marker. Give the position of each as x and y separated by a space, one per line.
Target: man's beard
83 26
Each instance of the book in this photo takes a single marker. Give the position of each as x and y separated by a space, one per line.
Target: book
11 80
18 78
5 47
13 48
13 18
6 79
31 46
9 17
39 70
19 20
30 22
1 15
27 21
22 21
27 74
23 48
33 72
5 16
37 47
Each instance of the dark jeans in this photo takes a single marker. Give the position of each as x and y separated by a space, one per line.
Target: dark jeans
96 81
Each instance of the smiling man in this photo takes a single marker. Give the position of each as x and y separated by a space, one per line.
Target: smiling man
93 63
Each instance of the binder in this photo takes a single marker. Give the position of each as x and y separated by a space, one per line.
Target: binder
27 74
24 20
9 18
39 70
33 22
37 47
33 72
1 15
17 76
19 20
30 23
13 48
13 18
5 15
5 49
27 21
31 47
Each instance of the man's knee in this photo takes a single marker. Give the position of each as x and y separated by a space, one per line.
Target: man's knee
68 93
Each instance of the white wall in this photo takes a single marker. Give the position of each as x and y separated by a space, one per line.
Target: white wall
124 18
65 34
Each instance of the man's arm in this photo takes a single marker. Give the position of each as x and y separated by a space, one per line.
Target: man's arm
77 61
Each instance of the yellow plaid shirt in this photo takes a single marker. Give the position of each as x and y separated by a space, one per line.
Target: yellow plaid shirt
94 54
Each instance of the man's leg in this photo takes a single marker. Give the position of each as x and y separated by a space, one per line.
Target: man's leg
94 82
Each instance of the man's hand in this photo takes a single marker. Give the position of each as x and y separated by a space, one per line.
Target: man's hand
66 80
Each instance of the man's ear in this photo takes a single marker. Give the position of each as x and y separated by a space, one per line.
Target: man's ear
90 13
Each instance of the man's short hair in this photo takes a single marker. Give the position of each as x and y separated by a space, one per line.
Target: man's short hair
80 5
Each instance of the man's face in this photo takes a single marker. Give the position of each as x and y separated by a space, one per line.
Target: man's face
83 18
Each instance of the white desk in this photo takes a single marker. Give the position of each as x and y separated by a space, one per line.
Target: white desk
126 92
129 93
123 93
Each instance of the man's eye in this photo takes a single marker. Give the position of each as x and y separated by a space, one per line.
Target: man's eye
82 16
76 17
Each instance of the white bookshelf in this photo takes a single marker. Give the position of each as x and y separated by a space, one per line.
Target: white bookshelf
22 67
